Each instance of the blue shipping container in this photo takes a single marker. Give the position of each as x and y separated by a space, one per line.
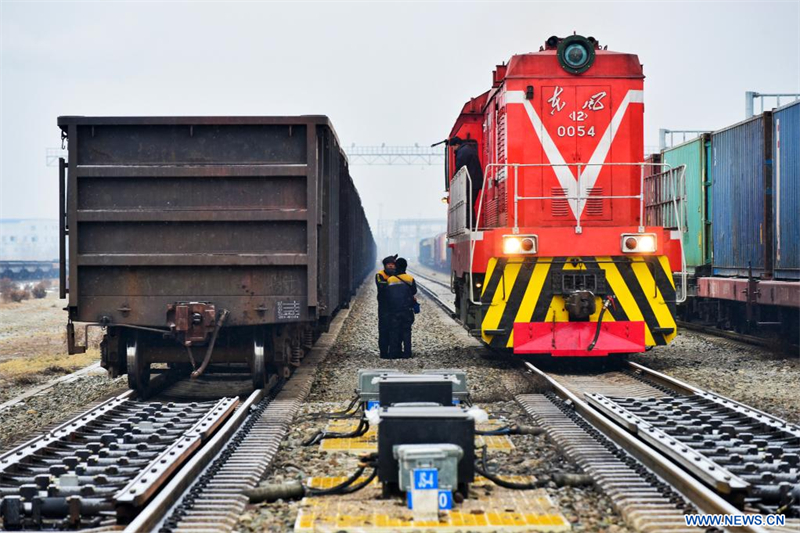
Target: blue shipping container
786 190
741 197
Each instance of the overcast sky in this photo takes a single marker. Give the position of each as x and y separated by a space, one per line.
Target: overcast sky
394 73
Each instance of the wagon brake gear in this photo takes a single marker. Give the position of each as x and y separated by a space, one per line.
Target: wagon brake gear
199 372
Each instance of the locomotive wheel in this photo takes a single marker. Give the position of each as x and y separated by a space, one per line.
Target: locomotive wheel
259 366
138 369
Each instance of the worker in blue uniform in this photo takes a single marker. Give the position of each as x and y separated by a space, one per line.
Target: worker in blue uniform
384 314
400 296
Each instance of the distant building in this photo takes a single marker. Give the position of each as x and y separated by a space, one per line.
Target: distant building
28 239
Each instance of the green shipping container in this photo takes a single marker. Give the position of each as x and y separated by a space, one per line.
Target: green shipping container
697 235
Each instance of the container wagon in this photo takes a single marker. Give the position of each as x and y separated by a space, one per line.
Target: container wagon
434 252
738 196
742 292
202 240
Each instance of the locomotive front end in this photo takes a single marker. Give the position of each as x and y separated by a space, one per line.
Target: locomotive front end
555 257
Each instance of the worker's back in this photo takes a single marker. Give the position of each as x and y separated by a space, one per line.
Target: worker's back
400 292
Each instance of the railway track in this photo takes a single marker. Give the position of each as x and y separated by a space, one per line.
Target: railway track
95 469
177 461
436 289
770 344
722 456
662 448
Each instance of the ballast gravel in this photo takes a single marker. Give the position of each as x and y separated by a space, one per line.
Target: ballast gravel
54 406
438 342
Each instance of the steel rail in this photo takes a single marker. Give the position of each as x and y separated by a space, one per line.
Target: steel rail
447 306
686 388
43 439
704 498
149 518
737 337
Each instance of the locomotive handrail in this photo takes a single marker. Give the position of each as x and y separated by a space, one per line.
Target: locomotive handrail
666 168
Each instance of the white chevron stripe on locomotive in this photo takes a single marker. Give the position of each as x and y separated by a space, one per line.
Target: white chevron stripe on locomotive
564 173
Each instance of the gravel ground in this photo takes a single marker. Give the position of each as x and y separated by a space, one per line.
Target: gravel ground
755 376
438 343
58 404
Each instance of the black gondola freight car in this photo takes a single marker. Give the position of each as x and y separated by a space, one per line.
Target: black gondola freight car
201 240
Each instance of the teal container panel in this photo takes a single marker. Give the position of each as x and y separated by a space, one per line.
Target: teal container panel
692 154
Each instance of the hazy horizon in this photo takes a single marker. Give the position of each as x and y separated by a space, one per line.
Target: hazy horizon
394 73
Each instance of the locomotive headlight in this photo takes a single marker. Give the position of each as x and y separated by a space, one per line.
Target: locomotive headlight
575 54
639 243
520 244
647 243
512 245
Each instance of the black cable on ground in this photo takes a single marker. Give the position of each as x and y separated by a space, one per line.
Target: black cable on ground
348 412
363 427
294 490
337 489
358 486
560 479
349 485
512 429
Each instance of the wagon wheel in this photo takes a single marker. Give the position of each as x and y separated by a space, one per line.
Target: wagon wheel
138 368
259 366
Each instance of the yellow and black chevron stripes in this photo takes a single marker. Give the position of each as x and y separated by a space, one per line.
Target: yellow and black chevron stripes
521 290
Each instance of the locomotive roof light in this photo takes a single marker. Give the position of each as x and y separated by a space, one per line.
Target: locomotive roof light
520 244
642 243
576 54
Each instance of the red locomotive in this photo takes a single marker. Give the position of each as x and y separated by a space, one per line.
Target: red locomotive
552 256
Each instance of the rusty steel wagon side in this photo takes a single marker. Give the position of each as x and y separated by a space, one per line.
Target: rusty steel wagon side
202 240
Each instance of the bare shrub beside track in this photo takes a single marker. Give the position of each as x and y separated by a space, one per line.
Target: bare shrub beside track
11 292
39 290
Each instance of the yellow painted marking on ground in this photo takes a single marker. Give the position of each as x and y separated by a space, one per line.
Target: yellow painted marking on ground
502 508
369 441
497 443
328 482
480 481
